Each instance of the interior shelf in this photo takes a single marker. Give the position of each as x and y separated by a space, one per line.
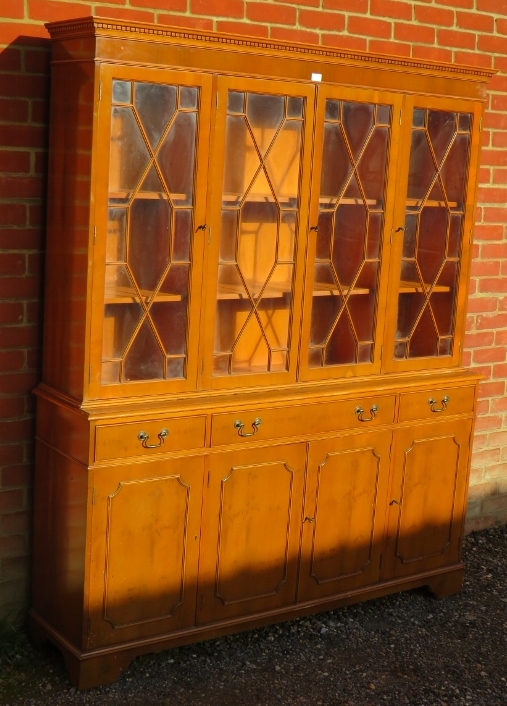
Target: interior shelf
128 295
412 287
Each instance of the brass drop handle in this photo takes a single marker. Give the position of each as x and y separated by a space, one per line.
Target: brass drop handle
143 437
432 402
238 424
360 411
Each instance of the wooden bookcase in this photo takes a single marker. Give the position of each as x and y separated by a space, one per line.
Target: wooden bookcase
253 405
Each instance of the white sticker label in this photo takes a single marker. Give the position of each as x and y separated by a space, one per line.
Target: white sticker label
316 77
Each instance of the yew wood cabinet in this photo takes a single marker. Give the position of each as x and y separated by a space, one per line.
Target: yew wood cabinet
252 404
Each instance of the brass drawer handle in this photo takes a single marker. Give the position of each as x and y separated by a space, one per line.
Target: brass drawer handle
238 424
432 402
360 411
143 436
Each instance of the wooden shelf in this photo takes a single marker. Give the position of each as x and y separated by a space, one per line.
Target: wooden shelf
411 203
412 287
128 295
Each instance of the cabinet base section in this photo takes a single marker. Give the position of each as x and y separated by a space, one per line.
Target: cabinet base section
104 665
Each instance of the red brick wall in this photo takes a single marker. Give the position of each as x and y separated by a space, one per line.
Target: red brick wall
466 31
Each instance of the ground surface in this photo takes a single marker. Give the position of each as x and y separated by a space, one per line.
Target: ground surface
404 649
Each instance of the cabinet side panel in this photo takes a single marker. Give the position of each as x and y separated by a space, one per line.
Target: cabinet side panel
68 226
59 542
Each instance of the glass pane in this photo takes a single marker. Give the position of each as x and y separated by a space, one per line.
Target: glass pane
383 116
149 241
265 114
144 360
182 235
341 348
433 231
287 236
372 166
129 156
116 233
332 110
120 322
325 312
324 235
228 236
336 165
348 246
241 160
235 102
188 97
155 104
170 319
250 353
357 122
176 158
294 107
175 368
122 92
282 164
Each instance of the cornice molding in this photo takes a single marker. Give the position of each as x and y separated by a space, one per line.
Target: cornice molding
98 25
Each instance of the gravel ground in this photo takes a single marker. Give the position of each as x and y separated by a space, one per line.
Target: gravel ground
404 649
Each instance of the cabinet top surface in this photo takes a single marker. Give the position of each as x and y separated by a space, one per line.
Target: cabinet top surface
115 29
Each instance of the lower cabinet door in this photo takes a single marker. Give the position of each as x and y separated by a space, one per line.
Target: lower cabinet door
251 531
427 499
345 513
144 549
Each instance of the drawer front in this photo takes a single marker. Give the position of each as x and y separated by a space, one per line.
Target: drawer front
436 403
300 420
147 437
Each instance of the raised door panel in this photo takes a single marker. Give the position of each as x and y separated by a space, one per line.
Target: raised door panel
152 142
145 548
352 203
251 532
259 215
428 497
433 233
345 512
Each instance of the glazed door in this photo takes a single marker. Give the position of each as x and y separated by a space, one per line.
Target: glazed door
144 549
432 234
353 185
427 497
259 215
344 517
251 532
149 234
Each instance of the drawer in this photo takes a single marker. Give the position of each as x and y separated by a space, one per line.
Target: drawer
300 420
135 438
434 404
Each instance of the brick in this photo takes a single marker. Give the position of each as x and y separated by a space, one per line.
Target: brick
21 238
482 304
397 9
499 139
489 355
15 545
494 388
484 61
11 312
272 13
245 28
51 11
317 19
12 360
12 407
14 161
11 500
16 567
501 337
496 121
481 268
23 86
19 287
494 251
191 22
497 438
39 112
13 111
493 284
500 371
10 59
452 38
14 523
478 523
499 405
9 31
475 21
431 53
384 47
360 6
12 214
495 472
16 476
294 35
21 187
16 383
498 7
495 215
433 16
23 136
496 504
171 5
485 456
37 60
345 42
405 32
484 490
125 14
14 9
467 4
500 175
488 422
218 8
474 509
488 232
474 340
369 27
